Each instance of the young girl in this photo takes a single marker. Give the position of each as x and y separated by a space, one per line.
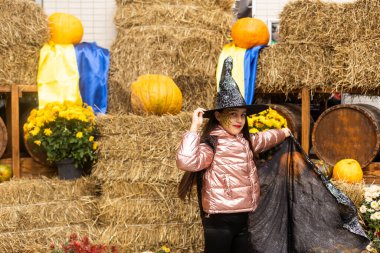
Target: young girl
222 159
230 184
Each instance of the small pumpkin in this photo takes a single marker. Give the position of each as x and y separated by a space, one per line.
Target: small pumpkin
65 28
249 32
5 172
155 94
348 170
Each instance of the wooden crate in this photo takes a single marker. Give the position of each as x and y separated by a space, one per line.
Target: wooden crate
22 167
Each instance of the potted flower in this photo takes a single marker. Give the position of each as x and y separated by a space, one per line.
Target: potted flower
64 132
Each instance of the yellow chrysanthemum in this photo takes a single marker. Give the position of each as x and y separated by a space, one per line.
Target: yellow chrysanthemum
91 138
165 249
48 131
253 130
95 146
265 120
37 142
35 131
79 135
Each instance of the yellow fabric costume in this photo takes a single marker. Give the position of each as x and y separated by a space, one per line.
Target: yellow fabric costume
58 76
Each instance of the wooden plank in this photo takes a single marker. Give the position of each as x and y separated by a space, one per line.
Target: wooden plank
31 168
371 173
5 88
305 140
28 88
15 132
8 124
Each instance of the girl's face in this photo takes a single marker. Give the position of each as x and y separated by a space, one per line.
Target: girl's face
232 120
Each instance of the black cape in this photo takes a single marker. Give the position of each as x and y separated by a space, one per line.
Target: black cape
300 210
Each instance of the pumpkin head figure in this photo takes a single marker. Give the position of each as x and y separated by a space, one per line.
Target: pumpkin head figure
249 32
65 28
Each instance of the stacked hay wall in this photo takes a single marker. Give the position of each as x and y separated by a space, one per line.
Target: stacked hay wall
324 45
34 213
23 31
139 207
181 39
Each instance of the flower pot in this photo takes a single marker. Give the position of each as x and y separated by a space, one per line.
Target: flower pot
67 170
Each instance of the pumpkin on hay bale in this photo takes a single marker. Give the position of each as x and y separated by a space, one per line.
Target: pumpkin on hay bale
155 94
348 170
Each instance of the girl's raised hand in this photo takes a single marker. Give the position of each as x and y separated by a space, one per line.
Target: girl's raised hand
286 131
197 119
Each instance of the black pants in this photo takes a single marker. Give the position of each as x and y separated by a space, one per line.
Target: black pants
226 233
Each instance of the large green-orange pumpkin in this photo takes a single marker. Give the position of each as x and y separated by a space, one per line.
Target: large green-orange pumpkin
348 170
155 94
65 28
249 32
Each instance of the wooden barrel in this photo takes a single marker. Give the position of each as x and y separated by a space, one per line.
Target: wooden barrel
3 137
347 131
31 148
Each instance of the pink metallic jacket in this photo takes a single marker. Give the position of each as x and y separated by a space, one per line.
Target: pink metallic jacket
230 182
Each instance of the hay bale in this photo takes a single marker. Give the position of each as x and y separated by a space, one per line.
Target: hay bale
133 148
354 191
168 50
187 55
286 67
33 191
179 237
48 214
147 126
355 66
312 21
331 24
23 22
117 189
37 212
19 57
40 239
23 31
126 210
191 16
178 39
197 91
211 5
137 170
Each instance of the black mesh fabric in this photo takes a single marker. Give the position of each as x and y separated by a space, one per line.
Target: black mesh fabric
300 210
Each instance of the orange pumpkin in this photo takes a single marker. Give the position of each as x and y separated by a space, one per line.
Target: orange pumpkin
155 94
348 170
249 32
65 28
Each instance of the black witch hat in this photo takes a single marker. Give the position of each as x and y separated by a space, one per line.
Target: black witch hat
229 95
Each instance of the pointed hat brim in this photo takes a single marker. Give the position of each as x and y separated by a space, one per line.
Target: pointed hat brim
251 109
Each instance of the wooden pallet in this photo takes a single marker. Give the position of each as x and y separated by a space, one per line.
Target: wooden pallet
20 166
371 173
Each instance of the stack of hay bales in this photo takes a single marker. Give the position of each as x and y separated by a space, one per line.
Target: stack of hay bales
34 213
181 39
23 31
139 207
324 45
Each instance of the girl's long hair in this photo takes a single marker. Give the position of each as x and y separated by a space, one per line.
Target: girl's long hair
189 178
